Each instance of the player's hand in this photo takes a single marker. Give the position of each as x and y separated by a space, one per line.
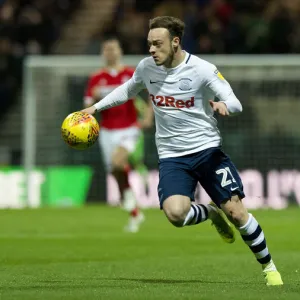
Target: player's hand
90 110
219 107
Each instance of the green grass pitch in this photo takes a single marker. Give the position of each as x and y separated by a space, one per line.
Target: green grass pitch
84 254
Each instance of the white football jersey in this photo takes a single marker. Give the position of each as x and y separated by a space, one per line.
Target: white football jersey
180 97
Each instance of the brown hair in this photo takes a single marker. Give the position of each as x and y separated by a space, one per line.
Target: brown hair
174 25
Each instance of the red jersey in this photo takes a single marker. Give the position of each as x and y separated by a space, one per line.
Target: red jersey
118 117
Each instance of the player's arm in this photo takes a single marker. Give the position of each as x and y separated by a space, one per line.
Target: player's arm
147 120
216 83
121 94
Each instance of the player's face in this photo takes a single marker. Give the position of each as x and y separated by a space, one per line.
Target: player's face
161 47
111 51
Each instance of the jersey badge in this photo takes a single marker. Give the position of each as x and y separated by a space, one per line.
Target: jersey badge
218 73
185 84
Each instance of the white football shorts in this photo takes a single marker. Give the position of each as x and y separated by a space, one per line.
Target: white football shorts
109 140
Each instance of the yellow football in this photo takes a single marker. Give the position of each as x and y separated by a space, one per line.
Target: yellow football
80 130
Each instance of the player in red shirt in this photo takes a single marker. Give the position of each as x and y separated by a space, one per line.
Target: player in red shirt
121 138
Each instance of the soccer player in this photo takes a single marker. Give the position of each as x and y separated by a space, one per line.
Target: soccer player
121 138
181 87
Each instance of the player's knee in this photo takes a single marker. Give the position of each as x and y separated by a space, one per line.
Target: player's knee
235 211
176 216
117 164
119 159
176 211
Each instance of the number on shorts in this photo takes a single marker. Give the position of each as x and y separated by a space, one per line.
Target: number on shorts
225 180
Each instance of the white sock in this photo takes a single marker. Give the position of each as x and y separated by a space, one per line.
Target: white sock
198 213
129 201
269 266
254 237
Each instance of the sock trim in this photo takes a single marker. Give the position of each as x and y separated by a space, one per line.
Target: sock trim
252 236
192 212
205 211
248 222
199 216
259 247
265 259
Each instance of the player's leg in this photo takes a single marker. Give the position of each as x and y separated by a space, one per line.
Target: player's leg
223 184
120 169
180 212
176 191
253 235
119 163
115 159
128 144
136 158
107 142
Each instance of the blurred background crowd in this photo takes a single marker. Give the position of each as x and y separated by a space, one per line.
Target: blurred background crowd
212 27
215 26
27 27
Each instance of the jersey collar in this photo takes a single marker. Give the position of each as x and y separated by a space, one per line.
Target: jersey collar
185 61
